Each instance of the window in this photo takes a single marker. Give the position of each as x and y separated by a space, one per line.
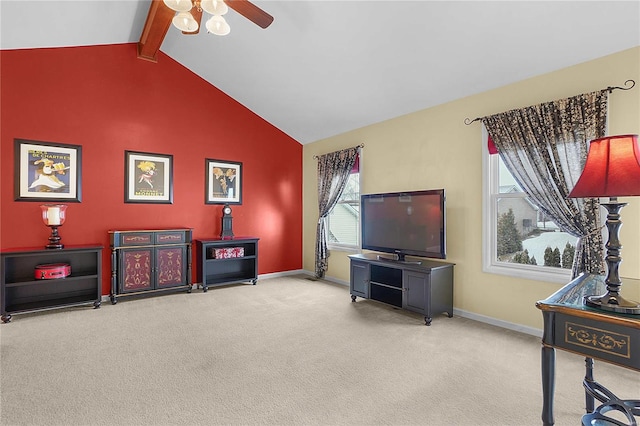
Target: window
518 239
343 223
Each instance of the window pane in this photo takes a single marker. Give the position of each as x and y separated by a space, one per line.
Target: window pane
524 235
507 182
343 221
343 224
352 189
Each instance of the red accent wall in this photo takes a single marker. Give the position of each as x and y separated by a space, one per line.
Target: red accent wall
108 101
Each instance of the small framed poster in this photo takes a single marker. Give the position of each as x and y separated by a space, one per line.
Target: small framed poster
148 178
223 182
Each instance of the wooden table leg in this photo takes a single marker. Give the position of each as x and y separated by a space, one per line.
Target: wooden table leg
548 384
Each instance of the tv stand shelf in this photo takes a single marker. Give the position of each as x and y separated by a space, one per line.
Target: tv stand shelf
418 285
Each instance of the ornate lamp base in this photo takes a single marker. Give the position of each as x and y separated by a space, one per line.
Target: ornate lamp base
54 239
613 303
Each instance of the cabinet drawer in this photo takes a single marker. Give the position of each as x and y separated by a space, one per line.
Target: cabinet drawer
170 237
136 239
610 342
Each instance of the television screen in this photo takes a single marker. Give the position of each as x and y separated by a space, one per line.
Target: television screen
405 223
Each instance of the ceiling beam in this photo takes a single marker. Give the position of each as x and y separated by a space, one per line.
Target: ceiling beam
154 31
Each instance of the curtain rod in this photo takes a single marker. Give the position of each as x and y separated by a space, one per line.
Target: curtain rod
315 157
609 89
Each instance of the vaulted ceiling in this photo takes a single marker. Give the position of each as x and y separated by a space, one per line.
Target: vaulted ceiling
325 67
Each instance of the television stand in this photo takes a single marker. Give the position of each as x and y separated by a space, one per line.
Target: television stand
425 286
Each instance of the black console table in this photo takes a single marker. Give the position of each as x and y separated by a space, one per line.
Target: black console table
607 336
21 292
226 261
419 285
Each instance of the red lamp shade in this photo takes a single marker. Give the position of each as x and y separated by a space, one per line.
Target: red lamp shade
612 168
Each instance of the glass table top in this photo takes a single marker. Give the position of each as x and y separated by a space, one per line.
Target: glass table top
572 295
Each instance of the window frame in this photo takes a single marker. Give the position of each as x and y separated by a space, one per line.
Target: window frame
490 195
351 248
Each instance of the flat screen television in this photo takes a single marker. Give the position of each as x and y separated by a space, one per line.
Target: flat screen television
405 223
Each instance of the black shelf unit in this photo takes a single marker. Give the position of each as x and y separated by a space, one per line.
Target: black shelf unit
212 271
21 292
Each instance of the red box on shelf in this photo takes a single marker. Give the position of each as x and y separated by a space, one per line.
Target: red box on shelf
51 271
227 252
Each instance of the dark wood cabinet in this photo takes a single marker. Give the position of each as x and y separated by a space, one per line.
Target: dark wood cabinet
359 279
227 261
147 261
21 292
418 285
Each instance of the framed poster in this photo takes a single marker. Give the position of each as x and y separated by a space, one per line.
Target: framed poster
46 171
223 182
148 178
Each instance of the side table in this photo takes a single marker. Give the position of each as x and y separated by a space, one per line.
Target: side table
606 336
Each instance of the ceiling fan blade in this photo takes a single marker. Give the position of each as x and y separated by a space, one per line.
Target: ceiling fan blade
251 12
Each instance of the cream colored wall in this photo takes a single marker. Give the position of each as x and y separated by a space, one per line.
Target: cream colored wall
433 148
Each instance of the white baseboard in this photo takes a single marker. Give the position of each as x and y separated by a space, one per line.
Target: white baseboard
310 274
499 323
335 280
282 274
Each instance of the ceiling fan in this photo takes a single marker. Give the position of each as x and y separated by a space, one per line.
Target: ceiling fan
187 16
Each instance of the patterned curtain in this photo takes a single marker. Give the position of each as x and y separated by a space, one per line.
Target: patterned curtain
333 172
545 147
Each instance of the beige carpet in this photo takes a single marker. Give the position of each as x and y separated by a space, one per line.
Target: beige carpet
288 351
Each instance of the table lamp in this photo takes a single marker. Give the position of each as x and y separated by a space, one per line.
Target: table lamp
54 215
612 170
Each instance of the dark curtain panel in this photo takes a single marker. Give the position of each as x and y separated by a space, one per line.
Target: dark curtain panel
333 172
545 147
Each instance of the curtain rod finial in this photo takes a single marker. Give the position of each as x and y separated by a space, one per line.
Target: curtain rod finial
612 88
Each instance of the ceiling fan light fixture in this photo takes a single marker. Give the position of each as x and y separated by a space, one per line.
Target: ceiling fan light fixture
214 7
185 22
218 26
179 5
